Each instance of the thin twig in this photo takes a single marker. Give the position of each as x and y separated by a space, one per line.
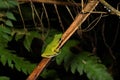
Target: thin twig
22 17
69 12
89 26
94 43
42 26
82 5
109 48
80 18
33 14
47 18
118 5
115 11
116 35
59 18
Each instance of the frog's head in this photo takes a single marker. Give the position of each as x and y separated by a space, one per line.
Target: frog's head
58 35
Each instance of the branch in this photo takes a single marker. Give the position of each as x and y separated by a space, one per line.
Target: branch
113 10
34 75
52 2
80 18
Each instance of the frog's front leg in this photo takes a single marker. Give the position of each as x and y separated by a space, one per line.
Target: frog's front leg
56 51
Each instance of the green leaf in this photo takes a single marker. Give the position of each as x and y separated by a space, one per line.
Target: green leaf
73 67
27 42
65 52
5 30
5 35
80 69
10 16
3 5
13 2
7 4
4 78
50 74
24 69
10 64
66 55
18 67
29 37
9 23
3 59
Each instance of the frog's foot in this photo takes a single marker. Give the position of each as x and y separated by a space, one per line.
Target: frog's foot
57 52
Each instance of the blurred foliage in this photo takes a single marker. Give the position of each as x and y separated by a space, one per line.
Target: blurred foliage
82 62
4 78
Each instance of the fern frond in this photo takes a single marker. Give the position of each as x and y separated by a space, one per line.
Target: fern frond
5 36
83 62
50 74
14 61
29 37
7 4
65 52
6 15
